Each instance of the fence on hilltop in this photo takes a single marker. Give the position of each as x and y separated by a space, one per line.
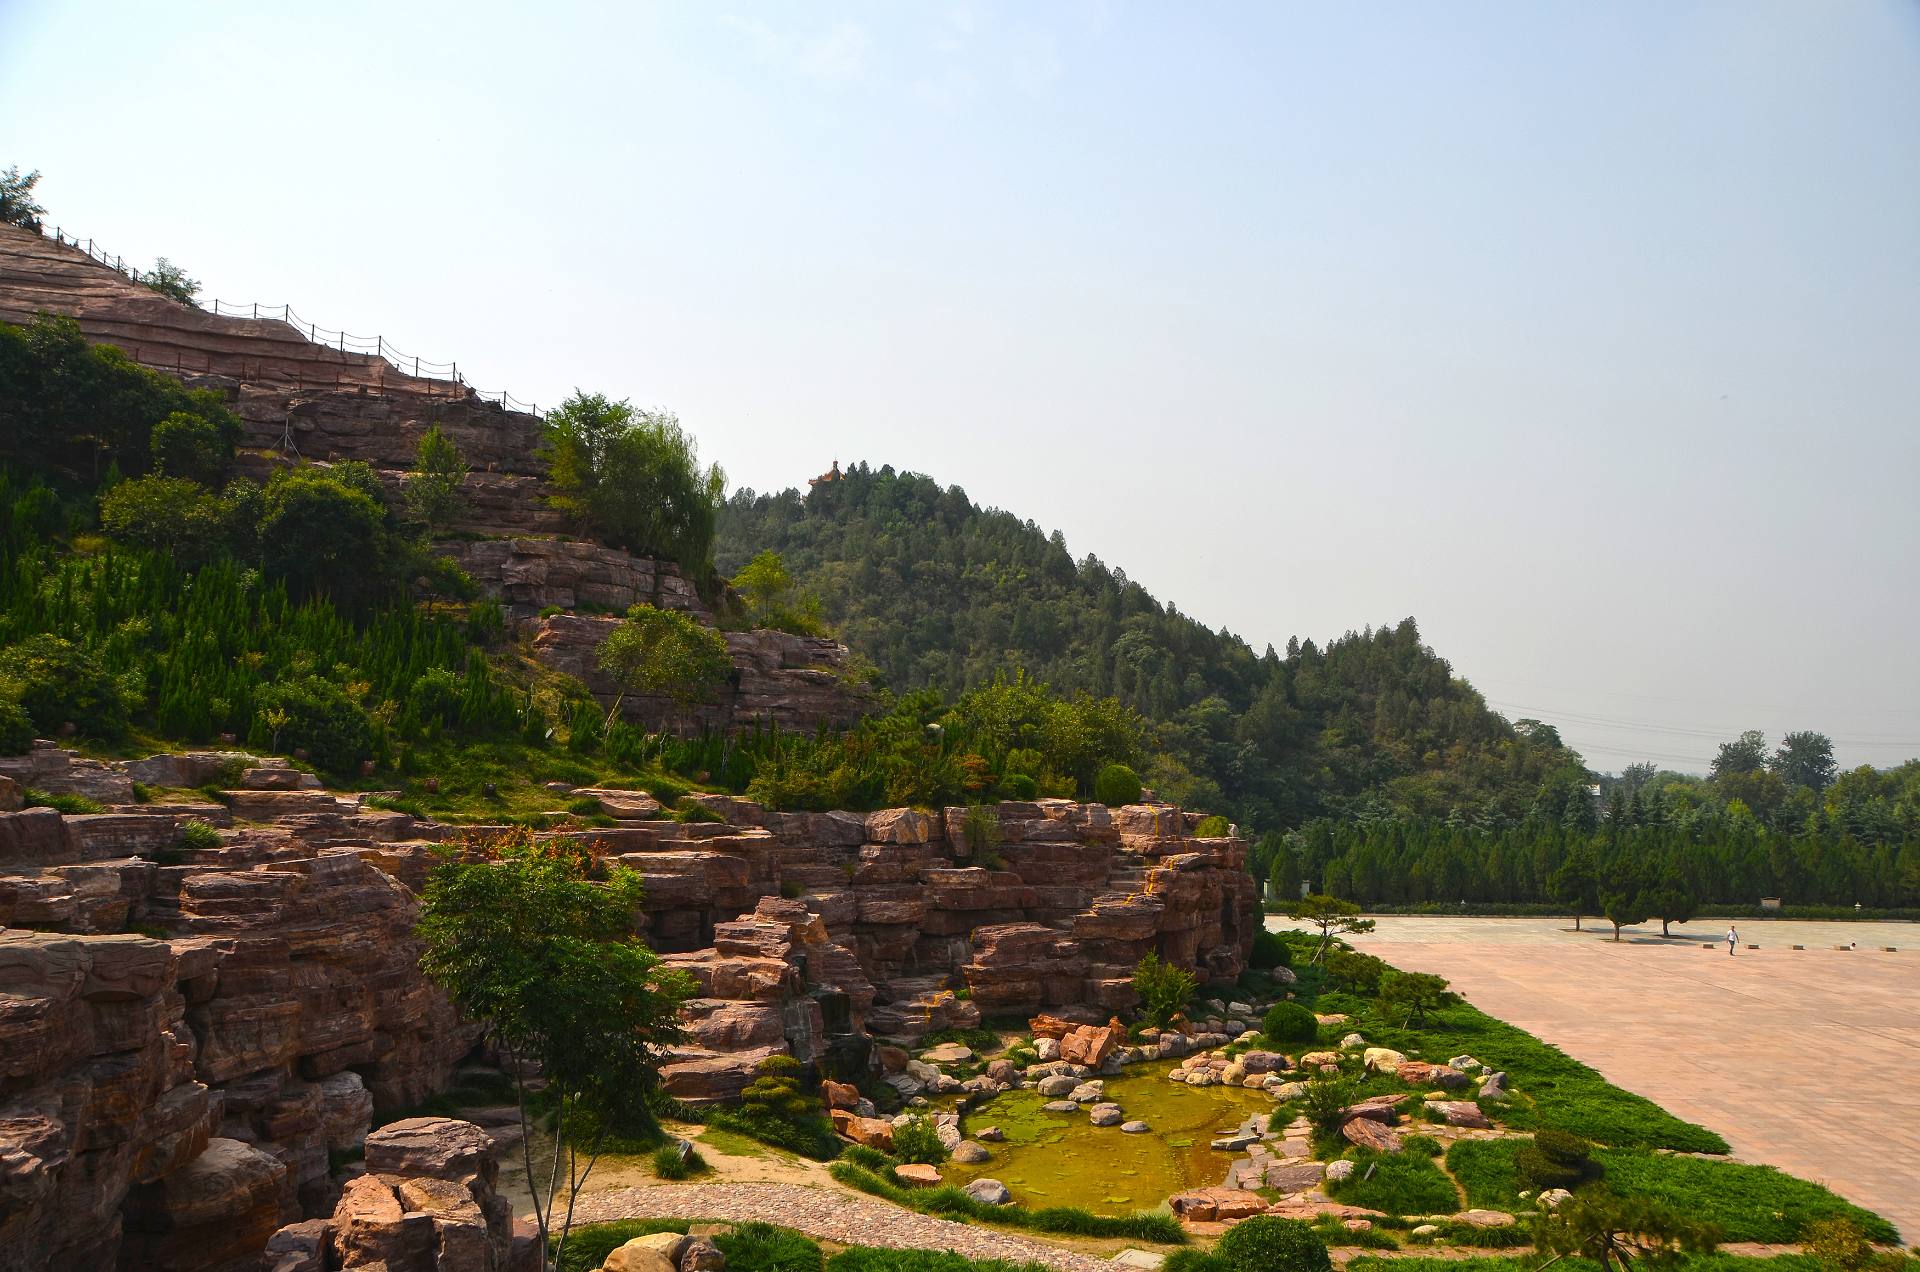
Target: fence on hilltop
375 346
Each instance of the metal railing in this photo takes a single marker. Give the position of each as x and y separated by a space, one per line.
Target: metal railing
375 346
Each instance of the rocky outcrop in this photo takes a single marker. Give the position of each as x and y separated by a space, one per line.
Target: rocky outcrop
426 1204
796 683
180 1057
530 575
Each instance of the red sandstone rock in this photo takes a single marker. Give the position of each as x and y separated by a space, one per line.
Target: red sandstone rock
1215 1205
1368 1133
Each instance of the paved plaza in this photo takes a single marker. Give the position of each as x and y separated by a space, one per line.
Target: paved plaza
1802 1059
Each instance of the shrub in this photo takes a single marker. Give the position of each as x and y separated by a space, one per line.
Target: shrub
16 728
1117 785
172 515
1019 786
1555 1159
71 805
199 834
1425 1145
669 1164
981 830
761 1247
435 696
1355 971
56 682
808 1137
190 446
1290 1022
916 1141
1269 950
1163 988
1214 827
1325 1104
325 534
1268 1244
316 715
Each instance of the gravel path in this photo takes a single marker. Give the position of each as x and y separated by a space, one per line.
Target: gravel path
836 1216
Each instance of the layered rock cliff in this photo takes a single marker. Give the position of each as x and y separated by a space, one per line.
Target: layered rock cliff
188 1032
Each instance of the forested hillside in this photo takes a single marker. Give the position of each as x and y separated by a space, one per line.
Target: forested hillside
939 592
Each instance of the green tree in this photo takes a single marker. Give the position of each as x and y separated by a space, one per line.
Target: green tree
180 518
1671 901
765 583
663 653
1623 902
1619 1232
1576 884
432 492
1806 759
191 446
537 944
58 682
633 478
1269 1243
325 534
1332 916
17 206
172 282
1163 988
1745 754
1411 995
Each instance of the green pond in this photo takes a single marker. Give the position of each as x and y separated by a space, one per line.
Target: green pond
1062 1159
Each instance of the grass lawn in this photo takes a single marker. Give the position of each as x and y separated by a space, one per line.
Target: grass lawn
1527 1263
1749 1203
1404 1183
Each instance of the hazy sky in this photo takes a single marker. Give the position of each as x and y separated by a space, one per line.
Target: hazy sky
1585 333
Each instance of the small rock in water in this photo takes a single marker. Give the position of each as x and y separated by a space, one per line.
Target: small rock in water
991 1134
968 1152
1106 1115
1060 1106
989 1191
1135 1127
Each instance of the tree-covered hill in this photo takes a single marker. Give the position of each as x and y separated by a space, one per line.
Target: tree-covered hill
937 591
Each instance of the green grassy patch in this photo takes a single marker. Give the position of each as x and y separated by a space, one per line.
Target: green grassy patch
1526 1263
589 1245
1551 1088
734 1144
1749 1203
950 1202
1397 1183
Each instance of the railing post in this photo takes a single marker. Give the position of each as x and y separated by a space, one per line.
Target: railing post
256 309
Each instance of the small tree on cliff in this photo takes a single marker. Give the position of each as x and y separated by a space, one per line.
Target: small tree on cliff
535 941
432 492
1331 915
1163 988
665 653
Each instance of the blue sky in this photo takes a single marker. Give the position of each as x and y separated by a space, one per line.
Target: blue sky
1581 332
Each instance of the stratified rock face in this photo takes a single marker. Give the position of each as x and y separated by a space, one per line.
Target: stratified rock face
795 682
530 575
168 1101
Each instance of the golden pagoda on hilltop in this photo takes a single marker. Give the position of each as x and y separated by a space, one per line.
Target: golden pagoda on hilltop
831 475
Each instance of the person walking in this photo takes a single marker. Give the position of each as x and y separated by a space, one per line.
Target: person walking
1733 939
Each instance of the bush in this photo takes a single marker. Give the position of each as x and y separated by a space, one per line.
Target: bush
1019 786
71 805
916 1141
1268 1244
176 517
1214 827
190 446
199 834
1290 1022
315 715
57 682
1555 1159
761 1247
1269 950
1325 1104
668 1164
16 728
1116 785
1163 988
434 698
1425 1145
1355 971
324 533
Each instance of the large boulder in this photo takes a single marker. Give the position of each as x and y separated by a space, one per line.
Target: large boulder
1370 1134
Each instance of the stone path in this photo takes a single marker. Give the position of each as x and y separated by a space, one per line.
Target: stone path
825 1213
1801 1059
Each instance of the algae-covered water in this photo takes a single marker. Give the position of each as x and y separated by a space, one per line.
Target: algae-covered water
1062 1159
